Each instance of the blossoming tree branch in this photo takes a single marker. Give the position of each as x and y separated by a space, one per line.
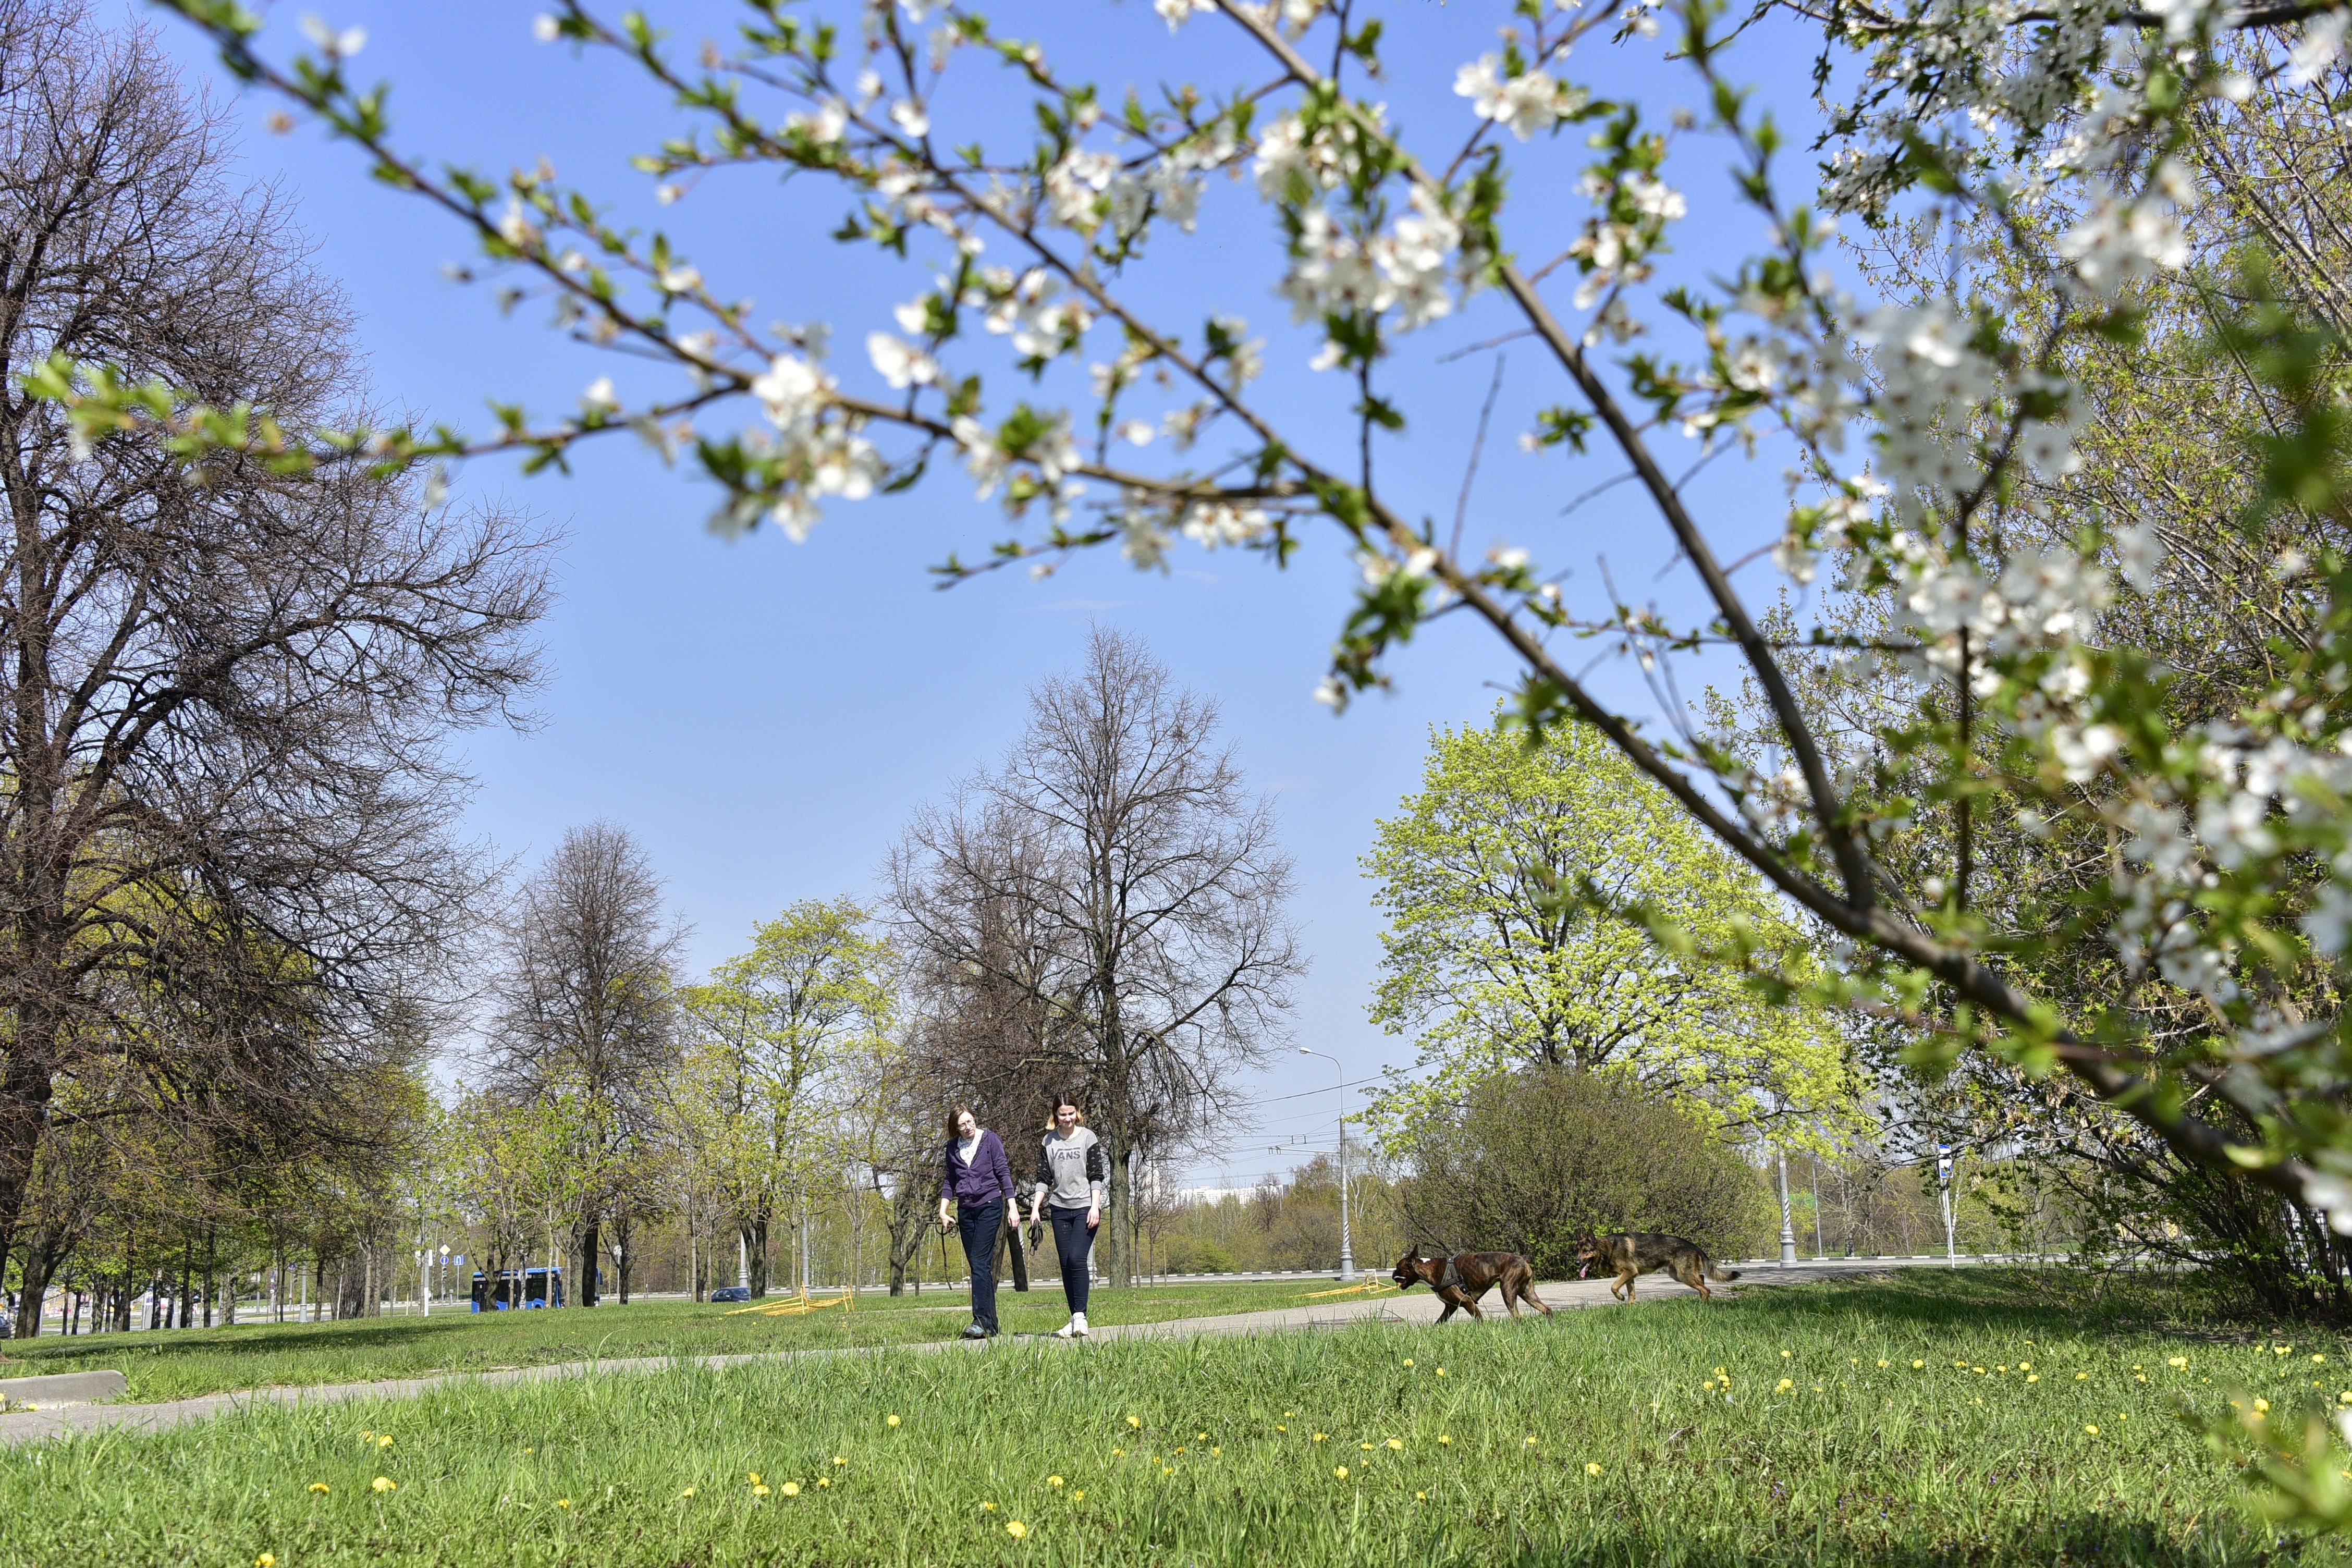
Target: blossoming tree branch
1920 435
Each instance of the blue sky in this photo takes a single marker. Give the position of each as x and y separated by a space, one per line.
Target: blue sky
765 716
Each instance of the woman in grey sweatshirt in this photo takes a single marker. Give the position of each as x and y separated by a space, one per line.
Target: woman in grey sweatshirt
1072 1171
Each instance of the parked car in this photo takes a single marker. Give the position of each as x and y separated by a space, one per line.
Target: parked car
731 1293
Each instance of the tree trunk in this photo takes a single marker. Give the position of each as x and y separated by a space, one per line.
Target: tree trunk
1117 1267
25 1091
754 1231
591 1241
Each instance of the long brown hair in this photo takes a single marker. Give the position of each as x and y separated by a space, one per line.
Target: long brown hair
956 1113
1053 1117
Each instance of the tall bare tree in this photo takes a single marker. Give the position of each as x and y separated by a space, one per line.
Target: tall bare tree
225 832
1111 905
586 1003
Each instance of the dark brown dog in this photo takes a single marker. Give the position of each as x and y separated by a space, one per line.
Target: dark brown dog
1630 1254
1461 1279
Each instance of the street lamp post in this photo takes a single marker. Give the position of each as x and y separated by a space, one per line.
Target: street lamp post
1944 1191
1788 1231
1347 1247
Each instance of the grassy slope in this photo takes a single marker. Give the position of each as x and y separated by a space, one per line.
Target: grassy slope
172 1364
1853 1463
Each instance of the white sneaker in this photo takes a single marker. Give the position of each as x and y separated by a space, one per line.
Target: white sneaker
1067 1330
1078 1325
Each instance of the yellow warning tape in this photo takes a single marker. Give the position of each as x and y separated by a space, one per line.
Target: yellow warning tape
793 1307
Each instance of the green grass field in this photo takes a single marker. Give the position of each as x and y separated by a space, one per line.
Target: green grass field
1933 1419
175 1363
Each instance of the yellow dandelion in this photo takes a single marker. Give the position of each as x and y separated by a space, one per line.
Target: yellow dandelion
688 1493
367 1435
1396 1442
265 1561
1440 1372
1340 1471
2034 1377
839 1460
1917 1365
1135 1420
2282 1350
2094 1431
1367 1447
1078 1496
564 1502
2175 1361
1288 1414
1015 1529
1118 1452
1420 1497
2025 1366
1408 1361
1280 1427
988 1508
824 1481
384 1441
1216 1453
1590 1468
1531 1440
2262 1406
759 1491
1200 1437
792 1488
1882 1361
1319 1437
1785 1385
1167 1469
752 1475
1053 1480
1443 1437
889 1421
2080 1376
321 1485
1784 1355
382 1484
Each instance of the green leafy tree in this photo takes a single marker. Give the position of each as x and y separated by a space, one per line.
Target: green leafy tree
1548 906
771 1026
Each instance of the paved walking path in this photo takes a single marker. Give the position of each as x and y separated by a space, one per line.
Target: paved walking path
1415 1306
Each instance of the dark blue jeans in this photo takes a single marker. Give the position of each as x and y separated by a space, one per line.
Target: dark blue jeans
1072 1244
978 1223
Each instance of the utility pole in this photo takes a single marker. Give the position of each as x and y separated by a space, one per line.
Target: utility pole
1788 1229
1347 1251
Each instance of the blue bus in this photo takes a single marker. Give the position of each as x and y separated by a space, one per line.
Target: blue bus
525 1289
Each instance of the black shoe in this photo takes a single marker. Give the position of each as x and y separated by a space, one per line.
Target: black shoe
974 1331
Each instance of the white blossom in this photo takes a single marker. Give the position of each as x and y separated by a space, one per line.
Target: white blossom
2139 551
334 45
1073 184
1179 12
910 117
599 398
793 391
2322 41
902 363
2123 241
1523 104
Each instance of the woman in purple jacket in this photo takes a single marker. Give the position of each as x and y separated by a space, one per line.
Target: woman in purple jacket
978 1177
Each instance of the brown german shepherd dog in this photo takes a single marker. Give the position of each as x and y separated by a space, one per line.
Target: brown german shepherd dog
1461 1279
1630 1254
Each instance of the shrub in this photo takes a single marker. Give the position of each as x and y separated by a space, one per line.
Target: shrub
1536 1160
1194 1255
